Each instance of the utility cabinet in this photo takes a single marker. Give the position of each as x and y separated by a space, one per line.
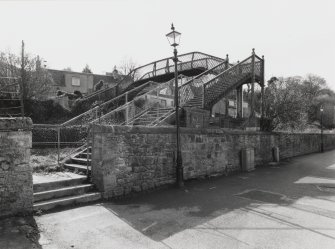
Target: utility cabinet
248 159
275 153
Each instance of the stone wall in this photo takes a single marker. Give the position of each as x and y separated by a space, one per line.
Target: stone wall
196 117
129 159
133 159
16 184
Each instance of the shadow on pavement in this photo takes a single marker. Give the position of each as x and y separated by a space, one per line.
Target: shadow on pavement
19 233
165 212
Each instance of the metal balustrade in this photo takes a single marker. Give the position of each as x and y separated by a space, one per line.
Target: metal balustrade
113 103
229 79
127 113
11 103
135 106
189 61
164 66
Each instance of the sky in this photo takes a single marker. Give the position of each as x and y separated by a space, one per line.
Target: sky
297 37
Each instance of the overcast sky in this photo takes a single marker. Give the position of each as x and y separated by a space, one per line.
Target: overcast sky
296 37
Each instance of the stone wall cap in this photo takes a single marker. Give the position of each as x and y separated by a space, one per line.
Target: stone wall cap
14 124
123 129
166 130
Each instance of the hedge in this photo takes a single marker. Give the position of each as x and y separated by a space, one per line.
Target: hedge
43 136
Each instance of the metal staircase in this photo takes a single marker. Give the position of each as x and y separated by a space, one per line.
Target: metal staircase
206 89
152 116
150 103
247 71
210 91
191 64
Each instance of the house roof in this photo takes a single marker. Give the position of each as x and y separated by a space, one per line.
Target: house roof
59 77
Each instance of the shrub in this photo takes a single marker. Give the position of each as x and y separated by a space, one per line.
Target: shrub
42 136
46 112
266 124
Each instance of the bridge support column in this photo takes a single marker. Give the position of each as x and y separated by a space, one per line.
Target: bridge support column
127 109
262 87
227 106
252 109
239 102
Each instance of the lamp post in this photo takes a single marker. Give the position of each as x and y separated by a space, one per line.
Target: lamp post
321 124
174 39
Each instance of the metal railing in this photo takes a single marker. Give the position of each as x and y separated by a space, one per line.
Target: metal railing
166 66
210 84
227 80
105 107
139 105
127 108
65 141
159 67
11 102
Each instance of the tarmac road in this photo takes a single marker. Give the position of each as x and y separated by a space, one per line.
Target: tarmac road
290 205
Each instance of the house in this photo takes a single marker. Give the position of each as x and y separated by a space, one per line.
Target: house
85 83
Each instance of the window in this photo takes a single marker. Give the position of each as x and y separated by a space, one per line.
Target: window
231 103
75 81
163 102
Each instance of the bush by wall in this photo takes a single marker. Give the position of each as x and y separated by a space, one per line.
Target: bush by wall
43 136
46 112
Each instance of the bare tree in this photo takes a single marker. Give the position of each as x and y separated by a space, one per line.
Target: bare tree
127 67
37 80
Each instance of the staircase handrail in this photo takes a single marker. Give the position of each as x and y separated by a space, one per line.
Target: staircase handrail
200 75
97 93
136 116
225 71
168 58
106 103
157 88
182 63
109 113
181 55
158 119
90 96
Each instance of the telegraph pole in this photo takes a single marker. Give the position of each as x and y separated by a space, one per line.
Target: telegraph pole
22 79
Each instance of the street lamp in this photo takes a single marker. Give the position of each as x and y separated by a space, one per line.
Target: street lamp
174 39
321 124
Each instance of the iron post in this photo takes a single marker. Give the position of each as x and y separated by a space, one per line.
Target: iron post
179 164
174 38
321 124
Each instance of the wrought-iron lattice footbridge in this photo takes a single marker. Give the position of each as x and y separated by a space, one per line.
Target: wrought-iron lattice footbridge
146 95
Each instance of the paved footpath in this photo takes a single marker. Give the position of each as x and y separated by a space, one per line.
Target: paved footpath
291 205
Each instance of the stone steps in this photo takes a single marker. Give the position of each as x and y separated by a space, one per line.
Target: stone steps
67 201
69 192
77 167
81 160
78 162
56 193
45 186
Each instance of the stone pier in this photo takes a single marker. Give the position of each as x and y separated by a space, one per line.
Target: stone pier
16 183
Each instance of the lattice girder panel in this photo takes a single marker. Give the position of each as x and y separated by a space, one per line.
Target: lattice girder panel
186 62
137 106
228 88
229 79
194 87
